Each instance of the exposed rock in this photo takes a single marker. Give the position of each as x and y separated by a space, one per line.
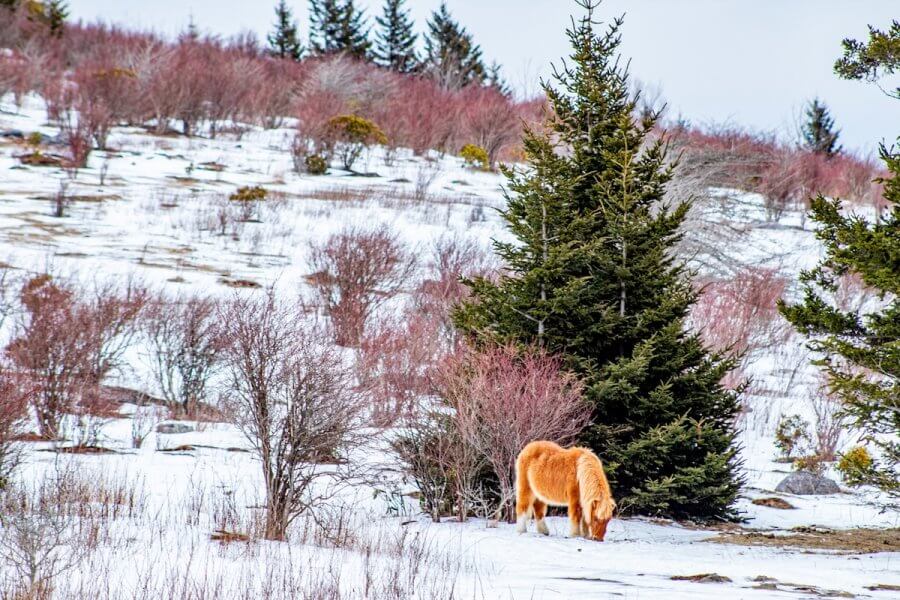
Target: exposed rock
804 483
171 428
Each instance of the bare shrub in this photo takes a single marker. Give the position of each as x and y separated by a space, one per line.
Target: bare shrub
491 120
61 200
54 347
186 343
427 171
67 341
143 420
38 543
14 395
504 398
446 471
293 398
829 424
356 271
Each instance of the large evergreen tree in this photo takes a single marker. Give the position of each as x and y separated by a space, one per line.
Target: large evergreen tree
819 134
283 41
395 43
592 277
451 56
861 350
337 26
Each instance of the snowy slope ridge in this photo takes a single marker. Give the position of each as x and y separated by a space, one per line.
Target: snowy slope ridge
147 514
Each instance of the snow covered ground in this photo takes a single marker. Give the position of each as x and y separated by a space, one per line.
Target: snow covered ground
157 214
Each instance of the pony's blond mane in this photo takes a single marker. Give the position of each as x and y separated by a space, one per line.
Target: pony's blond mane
593 486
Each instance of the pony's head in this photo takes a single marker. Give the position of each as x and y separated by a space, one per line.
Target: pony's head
601 511
597 503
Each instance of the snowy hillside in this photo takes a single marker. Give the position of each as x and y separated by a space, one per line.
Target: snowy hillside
157 208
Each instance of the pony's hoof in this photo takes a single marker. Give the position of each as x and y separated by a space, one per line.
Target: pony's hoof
543 529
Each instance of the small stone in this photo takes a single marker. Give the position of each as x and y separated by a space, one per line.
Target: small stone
171 428
804 483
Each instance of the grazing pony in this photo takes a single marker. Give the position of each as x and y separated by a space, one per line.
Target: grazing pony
548 474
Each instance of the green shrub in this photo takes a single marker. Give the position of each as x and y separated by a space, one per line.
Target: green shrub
34 139
249 194
856 466
350 135
791 432
476 157
316 164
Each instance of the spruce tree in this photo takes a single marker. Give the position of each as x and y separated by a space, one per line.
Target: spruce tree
819 134
495 80
395 44
452 58
337 26
860 350
591 277
878 57
57 12
283 41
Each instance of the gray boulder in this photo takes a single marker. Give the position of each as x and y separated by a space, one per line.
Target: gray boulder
174 428
804 483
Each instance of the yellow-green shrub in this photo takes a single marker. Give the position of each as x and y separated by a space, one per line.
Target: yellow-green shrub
316 164
476 157
350 135
249 194
856 465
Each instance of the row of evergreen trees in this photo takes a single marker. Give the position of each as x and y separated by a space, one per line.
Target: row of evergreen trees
338 26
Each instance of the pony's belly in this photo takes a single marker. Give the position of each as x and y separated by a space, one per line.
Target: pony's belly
551 501
560 500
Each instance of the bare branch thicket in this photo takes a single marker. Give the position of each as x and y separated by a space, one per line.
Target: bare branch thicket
452 259
427 172
395 365
504 398
354 273
185 342
829 426
290 393
53 346
445 469
114 311
14 393
9 301
740 315
66 341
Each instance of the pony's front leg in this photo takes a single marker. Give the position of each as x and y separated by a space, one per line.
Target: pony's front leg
575 519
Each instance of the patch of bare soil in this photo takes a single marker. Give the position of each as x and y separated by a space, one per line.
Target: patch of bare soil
702 578
39 159
772 584
773 502
850 541
225 537
83 450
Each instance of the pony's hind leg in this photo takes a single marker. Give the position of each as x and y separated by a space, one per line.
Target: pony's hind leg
524 501
540 510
